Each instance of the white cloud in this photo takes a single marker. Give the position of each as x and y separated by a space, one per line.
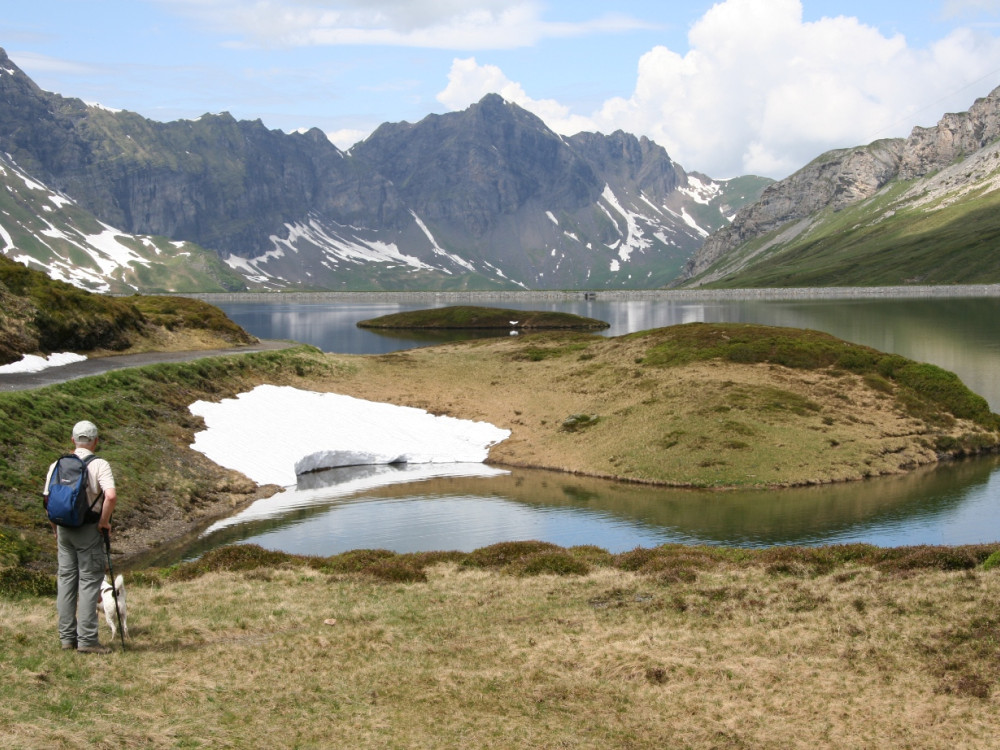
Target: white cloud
438 24
966 7
468 82
761 91
346 137
45 64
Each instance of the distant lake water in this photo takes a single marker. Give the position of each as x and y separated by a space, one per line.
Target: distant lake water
953 504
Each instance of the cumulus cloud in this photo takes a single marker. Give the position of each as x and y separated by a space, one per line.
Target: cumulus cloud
468 82
440 24
346 137
760 91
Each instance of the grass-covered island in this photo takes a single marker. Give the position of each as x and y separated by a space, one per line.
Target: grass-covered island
470 317
521 645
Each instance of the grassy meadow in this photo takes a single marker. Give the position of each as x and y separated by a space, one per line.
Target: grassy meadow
525 646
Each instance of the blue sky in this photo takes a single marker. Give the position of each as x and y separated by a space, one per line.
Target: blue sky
728 88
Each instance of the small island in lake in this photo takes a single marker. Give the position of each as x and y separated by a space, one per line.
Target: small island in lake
487 318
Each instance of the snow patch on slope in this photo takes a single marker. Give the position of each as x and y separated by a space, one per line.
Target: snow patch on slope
437 248
634 238
36 363
701 192
274 433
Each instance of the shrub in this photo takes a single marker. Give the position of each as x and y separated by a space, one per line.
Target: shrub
233 557
671 562
16 582
926 557
557 562
426 559
353 561
992 561
503 554
635 559
796 561
592 554
396 570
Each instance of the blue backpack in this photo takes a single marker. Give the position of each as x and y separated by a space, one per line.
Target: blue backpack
67 504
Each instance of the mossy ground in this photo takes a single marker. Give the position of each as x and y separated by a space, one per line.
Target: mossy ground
42 315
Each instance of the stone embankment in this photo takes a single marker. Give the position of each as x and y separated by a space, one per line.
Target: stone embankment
874 292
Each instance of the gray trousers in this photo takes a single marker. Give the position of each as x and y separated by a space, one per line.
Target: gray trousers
81 570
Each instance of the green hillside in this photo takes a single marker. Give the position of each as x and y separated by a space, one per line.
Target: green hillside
883 241
41 315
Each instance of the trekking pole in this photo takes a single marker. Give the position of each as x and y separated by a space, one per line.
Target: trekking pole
114 589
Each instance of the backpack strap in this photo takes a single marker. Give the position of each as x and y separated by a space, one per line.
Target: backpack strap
86 463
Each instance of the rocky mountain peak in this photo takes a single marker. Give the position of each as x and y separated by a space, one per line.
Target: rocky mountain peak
956 135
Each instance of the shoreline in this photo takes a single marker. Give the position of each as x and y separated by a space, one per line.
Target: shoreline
665 295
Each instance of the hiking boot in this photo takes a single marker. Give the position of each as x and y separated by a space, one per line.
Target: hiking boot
98 649
69 646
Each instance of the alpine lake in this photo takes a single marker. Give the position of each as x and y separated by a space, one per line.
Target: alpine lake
408 509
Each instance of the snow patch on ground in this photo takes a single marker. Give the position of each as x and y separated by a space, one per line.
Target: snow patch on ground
272 434
36 363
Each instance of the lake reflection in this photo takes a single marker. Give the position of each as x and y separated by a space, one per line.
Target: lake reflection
381 507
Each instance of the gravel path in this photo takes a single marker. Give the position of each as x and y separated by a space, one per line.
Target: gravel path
25 380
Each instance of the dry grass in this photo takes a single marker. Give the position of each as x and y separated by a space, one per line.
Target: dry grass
589 405
163 339
729 655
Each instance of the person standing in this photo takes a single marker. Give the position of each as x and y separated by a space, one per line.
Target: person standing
81 556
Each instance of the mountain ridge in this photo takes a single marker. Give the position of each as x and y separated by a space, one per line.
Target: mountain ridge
486 198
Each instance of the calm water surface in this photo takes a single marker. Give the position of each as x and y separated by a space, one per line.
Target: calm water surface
955 504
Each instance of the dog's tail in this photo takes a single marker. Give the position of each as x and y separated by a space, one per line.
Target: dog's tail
119 583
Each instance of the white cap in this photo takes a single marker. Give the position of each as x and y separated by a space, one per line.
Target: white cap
84 432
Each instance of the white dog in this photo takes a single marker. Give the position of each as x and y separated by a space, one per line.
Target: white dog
108 602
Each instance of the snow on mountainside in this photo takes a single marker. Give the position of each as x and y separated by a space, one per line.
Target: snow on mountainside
46 230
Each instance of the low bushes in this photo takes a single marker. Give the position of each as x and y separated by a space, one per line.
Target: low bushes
667 563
